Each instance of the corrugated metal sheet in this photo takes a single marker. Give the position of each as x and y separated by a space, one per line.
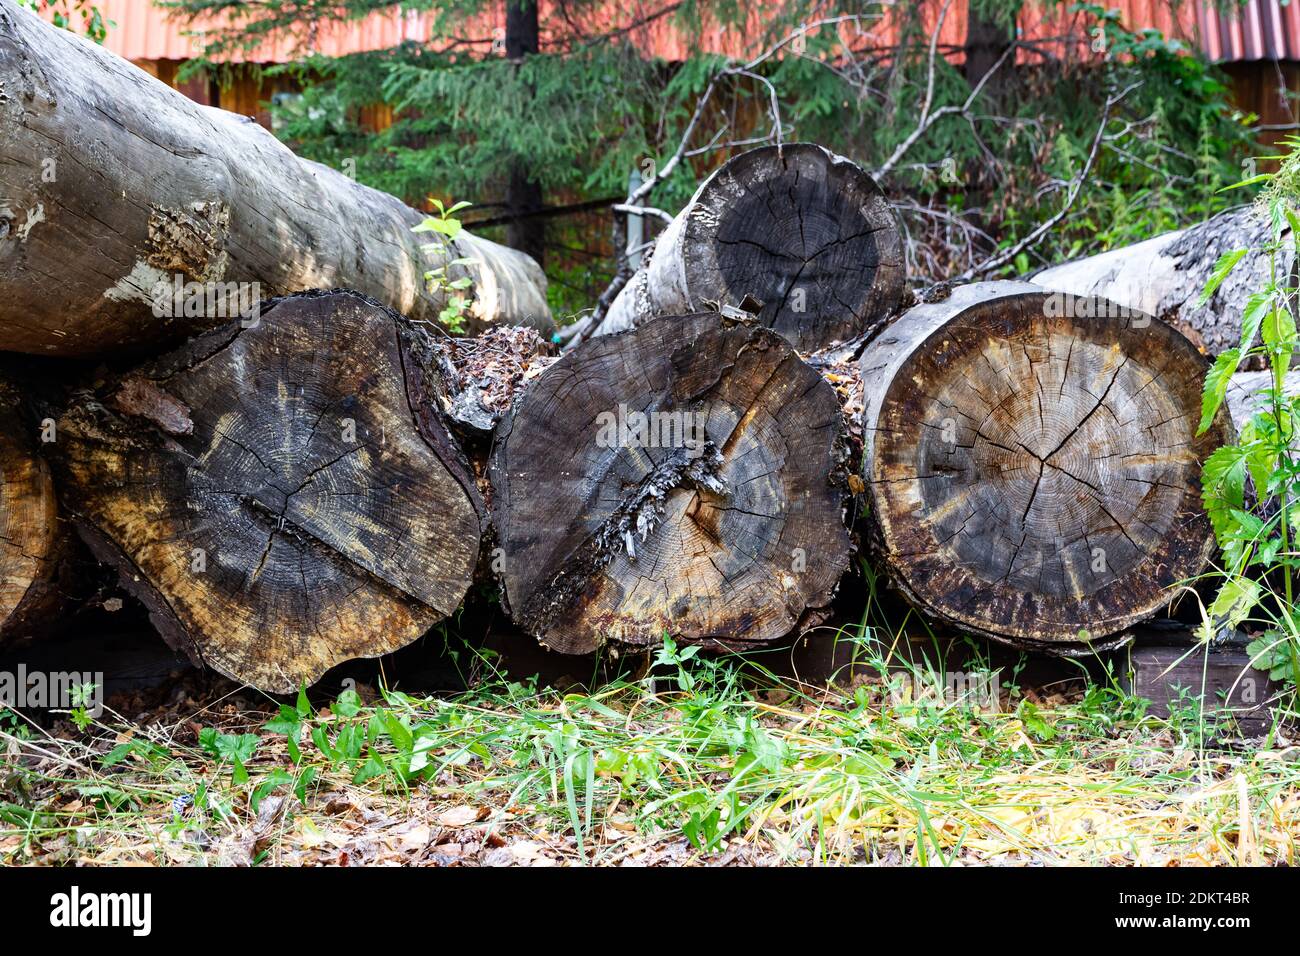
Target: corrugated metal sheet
142 31
1262 29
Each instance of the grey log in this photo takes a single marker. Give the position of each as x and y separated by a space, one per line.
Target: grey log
1164 276
111 181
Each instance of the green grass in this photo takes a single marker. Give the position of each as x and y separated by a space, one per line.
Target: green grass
702 760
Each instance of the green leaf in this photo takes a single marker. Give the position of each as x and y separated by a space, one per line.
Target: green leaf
1216 386
348 704
1223 488
1235 600
1227 262
1278 330
276 778
1260 178
1256 308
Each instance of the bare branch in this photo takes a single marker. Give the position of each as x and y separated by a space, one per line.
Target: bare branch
1076 186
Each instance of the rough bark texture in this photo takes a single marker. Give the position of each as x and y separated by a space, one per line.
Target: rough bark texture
110 181
721 522
526 230
1034 477
796 234
282 497
987 39
1243 397
1164 276
31 539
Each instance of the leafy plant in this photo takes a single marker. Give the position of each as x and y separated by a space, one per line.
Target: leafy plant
93 24
446 228
1250 487
235 749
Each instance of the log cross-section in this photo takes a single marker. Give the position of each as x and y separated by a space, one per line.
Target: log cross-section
682 478
282 497
801 236
1033 463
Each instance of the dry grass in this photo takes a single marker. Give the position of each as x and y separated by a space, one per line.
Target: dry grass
704 766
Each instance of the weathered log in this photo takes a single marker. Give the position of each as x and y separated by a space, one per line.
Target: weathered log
1245 397
281 497
1032 463
684 477
1165 276
114 186
31 538
801 237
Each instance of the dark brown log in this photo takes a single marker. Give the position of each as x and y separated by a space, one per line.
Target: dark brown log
716 516
1033 467
31 538
1165 276
798 235
111 182
282 497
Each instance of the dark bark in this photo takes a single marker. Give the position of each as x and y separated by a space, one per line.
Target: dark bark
111 182
795 234
32 540
987 39
282 497
1034 477
524 198
722 522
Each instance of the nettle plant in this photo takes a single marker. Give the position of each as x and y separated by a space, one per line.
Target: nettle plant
1250 488
446 228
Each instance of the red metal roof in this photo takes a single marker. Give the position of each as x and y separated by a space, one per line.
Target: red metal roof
1262 29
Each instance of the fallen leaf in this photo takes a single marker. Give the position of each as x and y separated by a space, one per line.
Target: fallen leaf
460 816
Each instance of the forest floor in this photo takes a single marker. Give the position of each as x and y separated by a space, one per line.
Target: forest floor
698 761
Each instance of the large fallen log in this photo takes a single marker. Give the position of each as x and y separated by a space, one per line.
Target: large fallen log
281 497
1033 465
1165 276
116 189
31 538
685 477
801 237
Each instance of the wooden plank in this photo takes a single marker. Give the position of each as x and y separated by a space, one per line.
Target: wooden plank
1171 676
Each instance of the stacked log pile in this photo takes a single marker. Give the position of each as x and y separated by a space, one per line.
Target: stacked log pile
318 476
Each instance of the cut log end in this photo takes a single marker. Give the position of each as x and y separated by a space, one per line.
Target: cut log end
283 497
802 238
679 479
1035 475
809 235
29 528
